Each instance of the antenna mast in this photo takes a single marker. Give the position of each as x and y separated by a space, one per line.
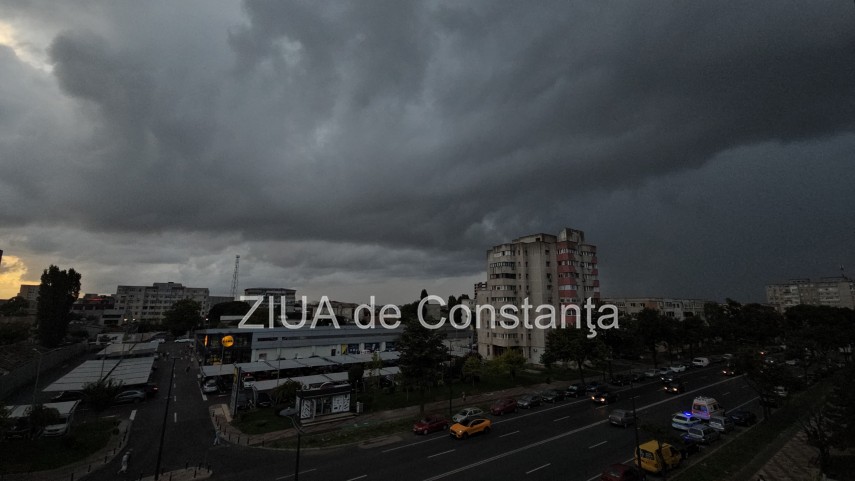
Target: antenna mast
235 277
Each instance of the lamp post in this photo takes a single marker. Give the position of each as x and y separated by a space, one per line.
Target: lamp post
290 413
637 443
38 372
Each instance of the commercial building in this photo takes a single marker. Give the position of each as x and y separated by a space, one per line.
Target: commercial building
280 294
676 308
827 291
548 269
148 303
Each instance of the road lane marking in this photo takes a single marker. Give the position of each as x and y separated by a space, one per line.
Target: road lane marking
725 394
535 469
563 435
291 475
598 444
413 444
559 419
440 454
176 416
503 435
358 477
133 414
204 397
175 398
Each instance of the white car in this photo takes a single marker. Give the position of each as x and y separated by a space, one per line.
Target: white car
210 386
183 340
467 413
651 373
248 382
678 368
700 362
684 421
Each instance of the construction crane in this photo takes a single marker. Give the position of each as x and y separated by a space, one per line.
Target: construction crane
235 277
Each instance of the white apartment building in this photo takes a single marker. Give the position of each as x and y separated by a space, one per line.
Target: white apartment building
546 269
679 309
827 291
148 303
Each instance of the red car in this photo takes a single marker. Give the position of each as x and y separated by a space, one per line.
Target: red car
621 472
430 424
507 405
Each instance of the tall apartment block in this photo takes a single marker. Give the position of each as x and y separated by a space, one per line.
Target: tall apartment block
827 291
148 303
546 269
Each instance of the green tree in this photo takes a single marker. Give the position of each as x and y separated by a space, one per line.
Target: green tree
285 394
566 345
182 317
100 394
57 292
472 368
12 332
233 308
651 331
15 306
422 355
40 416
423 294
511 361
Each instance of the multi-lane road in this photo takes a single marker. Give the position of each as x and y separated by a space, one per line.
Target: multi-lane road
570 440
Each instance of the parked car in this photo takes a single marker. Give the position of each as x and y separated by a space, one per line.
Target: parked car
263 400
551 396
248 382
700 362
742 417
529 401
183 340
687 447
469 427
503 406
130 396
621 472
621 417
604 397
702 434
651 373
684 421
664 371
67 396
703 407
620 380
675 387
430 424
678 368
575 390
669 378
656 457
210 386
594 386
467 413
721 423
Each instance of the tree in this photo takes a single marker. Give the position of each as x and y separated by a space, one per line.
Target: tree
422 357
100 394
57 292
472 368
182 317
285 394
510 361
651 332
233 308
12 332
423 294
565 345
40 416
15 306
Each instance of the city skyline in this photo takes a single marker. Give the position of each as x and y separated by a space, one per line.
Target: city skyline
351 150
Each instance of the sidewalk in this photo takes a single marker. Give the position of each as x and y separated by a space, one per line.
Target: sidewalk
793 462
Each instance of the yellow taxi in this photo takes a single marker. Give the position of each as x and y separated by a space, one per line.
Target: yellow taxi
468 427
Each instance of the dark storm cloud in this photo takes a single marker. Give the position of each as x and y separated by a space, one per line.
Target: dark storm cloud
387 137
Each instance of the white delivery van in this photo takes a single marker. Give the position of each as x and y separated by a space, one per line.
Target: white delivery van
703 407
700 362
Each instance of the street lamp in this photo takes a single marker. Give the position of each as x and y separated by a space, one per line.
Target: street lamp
290 413
38 372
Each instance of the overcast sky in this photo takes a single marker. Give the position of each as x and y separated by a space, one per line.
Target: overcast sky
381 147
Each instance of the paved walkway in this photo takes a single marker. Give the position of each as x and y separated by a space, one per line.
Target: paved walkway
793 462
